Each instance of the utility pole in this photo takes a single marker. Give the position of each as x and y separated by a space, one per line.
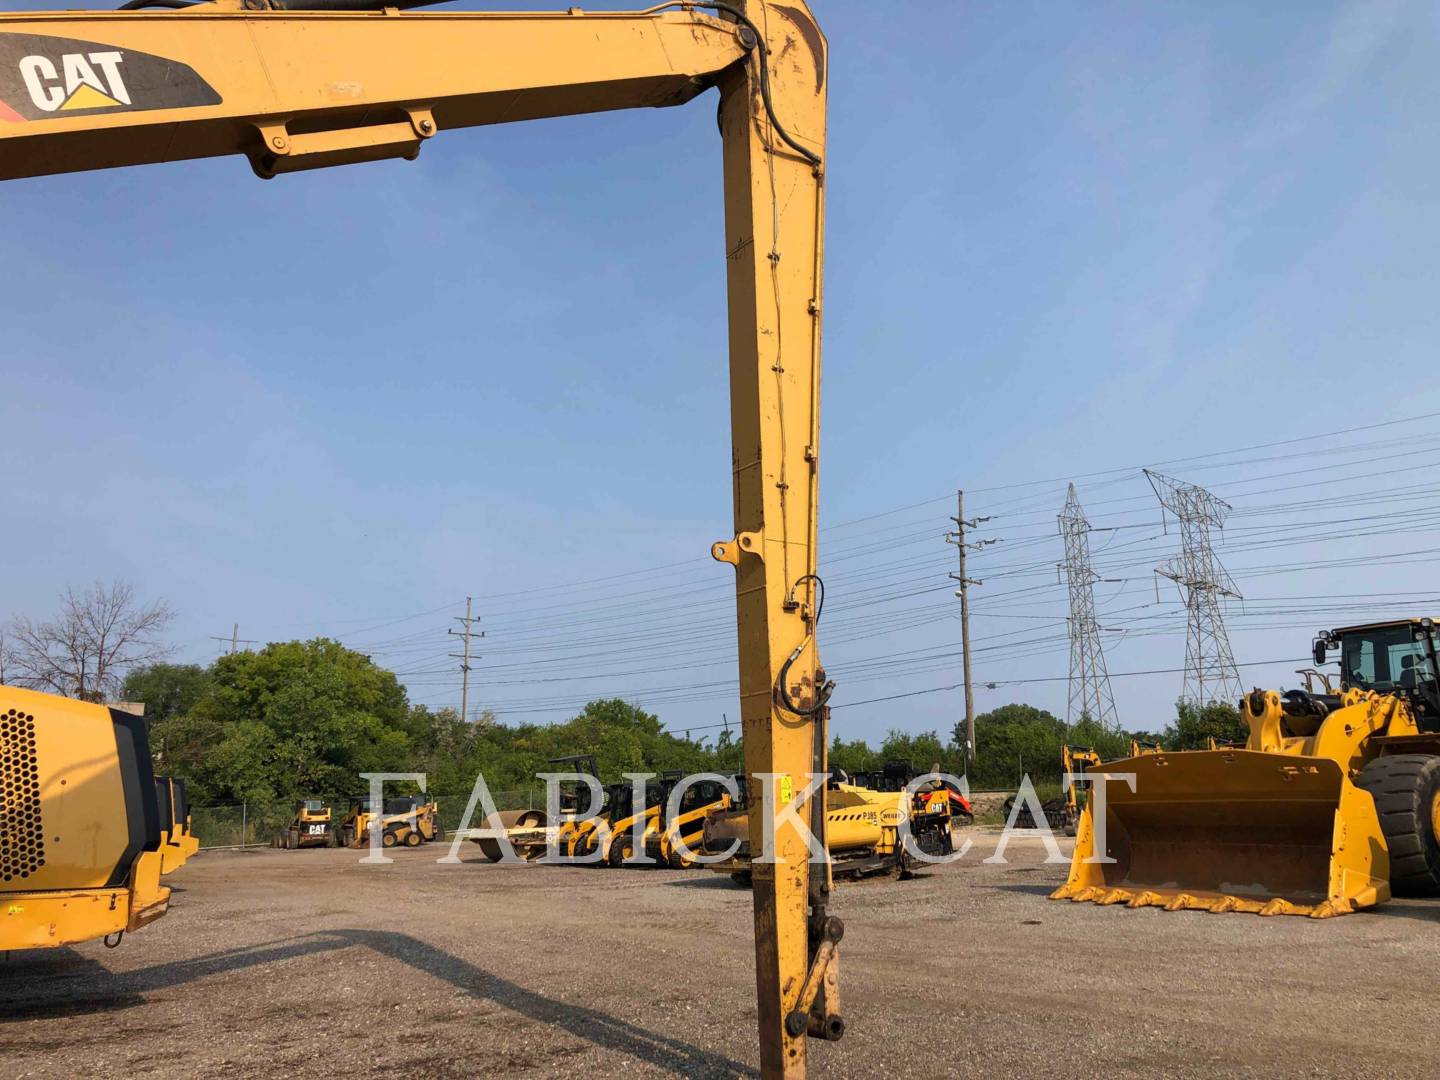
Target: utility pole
464 658
234 639
962 546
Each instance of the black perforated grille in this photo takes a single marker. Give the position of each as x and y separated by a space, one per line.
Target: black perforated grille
22 838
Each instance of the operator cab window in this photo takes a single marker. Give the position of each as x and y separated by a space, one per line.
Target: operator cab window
1389 659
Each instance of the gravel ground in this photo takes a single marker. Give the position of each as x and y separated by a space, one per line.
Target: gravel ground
290 963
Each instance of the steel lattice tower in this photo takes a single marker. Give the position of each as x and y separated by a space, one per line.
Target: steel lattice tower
1089 681
1210 673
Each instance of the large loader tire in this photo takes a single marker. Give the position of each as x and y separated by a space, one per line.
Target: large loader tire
1406 789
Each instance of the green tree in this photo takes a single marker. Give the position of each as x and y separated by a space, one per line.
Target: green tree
922 751
852 757
293 719
729 753
1108 744
170 692
1013 740
1195 725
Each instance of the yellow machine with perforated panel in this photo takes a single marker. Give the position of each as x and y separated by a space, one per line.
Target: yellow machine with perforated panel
80 831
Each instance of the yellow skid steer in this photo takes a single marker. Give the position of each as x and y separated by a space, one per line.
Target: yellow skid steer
1333 801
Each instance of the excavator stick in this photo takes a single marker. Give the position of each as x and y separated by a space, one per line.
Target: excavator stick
1231 830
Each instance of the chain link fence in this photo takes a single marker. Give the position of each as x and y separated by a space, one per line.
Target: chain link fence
256 822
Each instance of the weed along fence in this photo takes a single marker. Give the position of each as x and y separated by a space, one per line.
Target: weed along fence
255 822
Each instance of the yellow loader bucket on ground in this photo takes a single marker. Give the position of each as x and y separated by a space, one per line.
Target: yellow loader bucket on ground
1232 830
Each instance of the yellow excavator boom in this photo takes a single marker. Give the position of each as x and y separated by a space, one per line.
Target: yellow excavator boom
292 89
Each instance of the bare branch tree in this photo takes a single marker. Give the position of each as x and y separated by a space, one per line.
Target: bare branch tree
84 653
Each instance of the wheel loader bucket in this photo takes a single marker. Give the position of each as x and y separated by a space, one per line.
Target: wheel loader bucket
1231 830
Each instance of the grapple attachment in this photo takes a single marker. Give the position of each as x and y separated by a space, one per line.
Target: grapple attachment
1231 830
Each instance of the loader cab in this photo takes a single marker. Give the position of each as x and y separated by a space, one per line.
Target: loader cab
1390 658
575 794
698 795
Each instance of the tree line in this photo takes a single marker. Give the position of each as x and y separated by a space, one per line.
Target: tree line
305 718
302 718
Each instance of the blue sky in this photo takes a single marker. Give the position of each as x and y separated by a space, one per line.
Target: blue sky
1061 240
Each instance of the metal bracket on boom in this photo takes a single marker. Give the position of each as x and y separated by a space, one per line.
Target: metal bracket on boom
817 1013
728 551
281 150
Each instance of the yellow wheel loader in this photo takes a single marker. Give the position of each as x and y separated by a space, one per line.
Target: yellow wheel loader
311 826
80 829
177 843
862 831
1332 804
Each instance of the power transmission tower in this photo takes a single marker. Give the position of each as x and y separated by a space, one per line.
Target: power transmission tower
235 640
962 546
1089 681
464 657
1210 673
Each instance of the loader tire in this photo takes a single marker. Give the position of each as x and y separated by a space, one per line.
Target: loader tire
1406 790
412 839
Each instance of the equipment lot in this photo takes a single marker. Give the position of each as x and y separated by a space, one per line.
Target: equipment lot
304 962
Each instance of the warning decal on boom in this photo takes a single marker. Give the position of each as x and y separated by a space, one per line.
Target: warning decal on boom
44 77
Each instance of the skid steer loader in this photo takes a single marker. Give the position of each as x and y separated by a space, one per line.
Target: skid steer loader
1332 804
671 834
406 820
310 826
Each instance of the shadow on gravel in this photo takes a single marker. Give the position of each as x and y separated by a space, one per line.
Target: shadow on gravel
1421 910
1033 890
36 985
25 975
594 1026
709 881
61 982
